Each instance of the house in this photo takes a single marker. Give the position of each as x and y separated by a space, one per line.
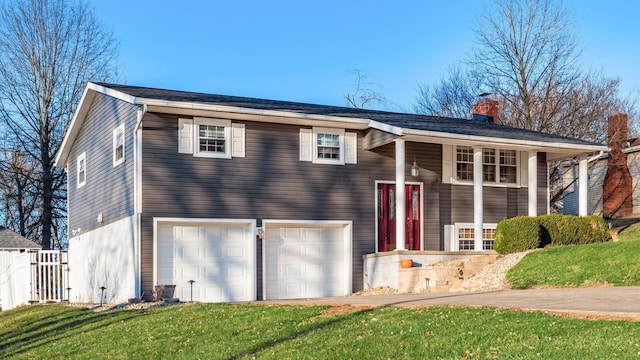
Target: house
11 241
15 264
233 198
613 176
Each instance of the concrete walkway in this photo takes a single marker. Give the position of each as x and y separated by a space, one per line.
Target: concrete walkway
614 301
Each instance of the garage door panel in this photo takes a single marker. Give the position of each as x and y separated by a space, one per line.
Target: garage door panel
305 261
216 256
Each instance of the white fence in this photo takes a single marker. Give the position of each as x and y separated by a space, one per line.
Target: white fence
49 276
15 275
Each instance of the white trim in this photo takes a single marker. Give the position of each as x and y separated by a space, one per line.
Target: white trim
271 113
401 221
532 165
447 164
350 147
116 131
375 192
81 157
478 201
505 142
137 160
237 140
348 247
548 190
209 221
306 149
197 121
314 144
583 185
185 136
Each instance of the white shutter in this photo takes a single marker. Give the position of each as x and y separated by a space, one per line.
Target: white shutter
447 163
306 144
351 148
185 136
524 174
237 140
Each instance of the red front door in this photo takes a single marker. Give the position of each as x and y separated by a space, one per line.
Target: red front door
387 217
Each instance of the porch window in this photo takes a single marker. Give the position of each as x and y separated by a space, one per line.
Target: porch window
498 165
464 163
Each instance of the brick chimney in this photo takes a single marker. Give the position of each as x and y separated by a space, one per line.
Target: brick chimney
486 110
617 191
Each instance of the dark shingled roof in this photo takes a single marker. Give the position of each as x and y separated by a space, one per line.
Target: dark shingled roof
11 240
402 120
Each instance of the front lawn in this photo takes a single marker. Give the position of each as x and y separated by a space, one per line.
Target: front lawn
610 263
240 331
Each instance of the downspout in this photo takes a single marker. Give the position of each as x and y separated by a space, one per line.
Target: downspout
137 190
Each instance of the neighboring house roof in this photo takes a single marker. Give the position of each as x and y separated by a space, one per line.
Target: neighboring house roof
9 240
392 122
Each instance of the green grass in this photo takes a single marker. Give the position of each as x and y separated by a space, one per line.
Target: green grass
222 331
612 263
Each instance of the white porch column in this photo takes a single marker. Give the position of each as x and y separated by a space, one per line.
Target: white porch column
583 184
400 196
532 170
478 202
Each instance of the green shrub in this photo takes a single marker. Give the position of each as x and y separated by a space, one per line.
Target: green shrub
524 233
517 234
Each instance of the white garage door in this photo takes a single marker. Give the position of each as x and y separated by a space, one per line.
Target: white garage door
219 257
307 260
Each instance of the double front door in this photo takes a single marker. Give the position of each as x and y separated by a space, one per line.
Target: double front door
387 217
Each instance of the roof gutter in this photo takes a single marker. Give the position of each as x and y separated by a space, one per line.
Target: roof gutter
531 143
240 110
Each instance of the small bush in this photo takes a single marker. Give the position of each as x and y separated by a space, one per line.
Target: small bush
517 234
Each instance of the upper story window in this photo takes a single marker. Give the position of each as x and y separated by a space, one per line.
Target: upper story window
81 170
207 137
328 146
212 138
118 145
498 165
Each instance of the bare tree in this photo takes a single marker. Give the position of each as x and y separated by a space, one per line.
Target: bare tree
364 96
48 50
452 96
526 55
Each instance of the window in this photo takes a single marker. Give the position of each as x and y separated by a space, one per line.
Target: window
488 164
466 239
466 236
81 170
498 165
328 146
118 145
508 166
464 163
488 235
213 138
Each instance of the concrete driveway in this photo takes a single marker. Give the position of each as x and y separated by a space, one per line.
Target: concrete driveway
613 302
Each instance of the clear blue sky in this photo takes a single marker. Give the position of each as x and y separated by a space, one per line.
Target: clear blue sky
302 50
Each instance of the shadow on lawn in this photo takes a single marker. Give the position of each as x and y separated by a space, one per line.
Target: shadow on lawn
303 332
50 328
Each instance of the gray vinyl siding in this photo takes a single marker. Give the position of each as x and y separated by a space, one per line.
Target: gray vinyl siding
108 190
271 183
